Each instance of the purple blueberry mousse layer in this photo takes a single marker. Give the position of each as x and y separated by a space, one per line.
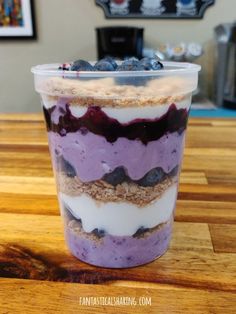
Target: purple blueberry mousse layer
92 156
117 251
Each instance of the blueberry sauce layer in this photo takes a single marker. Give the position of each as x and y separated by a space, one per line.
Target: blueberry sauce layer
97 122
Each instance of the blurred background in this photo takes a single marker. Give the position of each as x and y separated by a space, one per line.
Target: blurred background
66 31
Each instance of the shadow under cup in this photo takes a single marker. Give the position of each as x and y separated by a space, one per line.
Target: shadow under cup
116 141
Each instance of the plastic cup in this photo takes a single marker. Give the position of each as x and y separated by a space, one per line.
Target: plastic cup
116 141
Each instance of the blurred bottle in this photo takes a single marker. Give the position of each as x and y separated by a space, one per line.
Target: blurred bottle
193 52
181 52
178 52
165 50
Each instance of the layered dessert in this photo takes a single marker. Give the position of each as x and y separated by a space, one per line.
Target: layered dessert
116 145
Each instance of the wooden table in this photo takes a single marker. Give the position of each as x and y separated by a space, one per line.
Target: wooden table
38 274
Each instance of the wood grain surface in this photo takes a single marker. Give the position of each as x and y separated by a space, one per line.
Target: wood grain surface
38 274
54 297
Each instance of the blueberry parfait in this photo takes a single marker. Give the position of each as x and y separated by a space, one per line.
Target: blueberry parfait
116 139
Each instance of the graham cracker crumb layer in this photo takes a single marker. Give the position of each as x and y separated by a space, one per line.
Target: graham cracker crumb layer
102 191
76 227
106 93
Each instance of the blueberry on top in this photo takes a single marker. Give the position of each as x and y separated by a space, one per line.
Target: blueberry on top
151 64
111 60
64 67
109 64
104 65
81 65
130 65
131 59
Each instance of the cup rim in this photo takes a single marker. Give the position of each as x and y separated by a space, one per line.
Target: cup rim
170 68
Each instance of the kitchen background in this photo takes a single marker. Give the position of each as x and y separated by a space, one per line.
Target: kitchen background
66 31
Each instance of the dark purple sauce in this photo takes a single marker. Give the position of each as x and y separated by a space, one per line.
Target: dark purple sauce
97 122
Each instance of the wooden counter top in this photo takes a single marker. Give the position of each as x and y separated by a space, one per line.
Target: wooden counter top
196 275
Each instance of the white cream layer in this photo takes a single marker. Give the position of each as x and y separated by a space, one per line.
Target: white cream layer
47 101
124 115
120 219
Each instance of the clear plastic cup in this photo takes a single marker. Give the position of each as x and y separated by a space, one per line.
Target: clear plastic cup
116 141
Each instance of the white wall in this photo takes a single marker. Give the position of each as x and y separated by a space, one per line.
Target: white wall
66 32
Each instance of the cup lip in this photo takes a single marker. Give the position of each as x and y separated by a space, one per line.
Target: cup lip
170 68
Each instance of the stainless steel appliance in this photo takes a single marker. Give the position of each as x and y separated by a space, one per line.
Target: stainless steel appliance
225 66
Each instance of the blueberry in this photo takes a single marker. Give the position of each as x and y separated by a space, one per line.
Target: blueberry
131 58
151 64
112 61
173 172
140 232
153 177
116 177
99 232
130 65
70 215
64 67
81 65
104 65
66 167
